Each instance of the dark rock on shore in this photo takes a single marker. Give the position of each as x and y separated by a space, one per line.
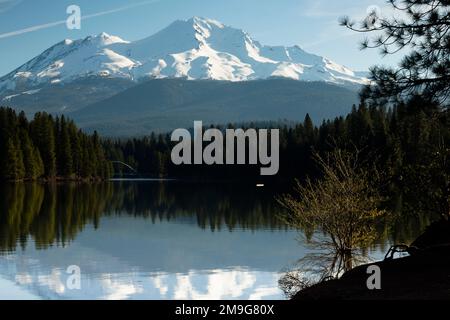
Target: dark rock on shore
425 274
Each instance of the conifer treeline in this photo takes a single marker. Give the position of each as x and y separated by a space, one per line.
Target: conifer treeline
406 141
48 148
407 134
409 144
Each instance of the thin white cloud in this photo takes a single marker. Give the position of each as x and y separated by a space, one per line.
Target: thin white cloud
31 29
5 5
61 22
332 32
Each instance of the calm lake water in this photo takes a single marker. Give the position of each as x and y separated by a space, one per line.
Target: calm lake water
145 240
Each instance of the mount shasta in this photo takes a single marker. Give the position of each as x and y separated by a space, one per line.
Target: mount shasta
77 78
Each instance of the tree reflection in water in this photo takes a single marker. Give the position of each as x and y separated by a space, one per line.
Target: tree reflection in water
324 261
53 214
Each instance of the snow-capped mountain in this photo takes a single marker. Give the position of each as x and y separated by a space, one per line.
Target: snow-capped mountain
197 48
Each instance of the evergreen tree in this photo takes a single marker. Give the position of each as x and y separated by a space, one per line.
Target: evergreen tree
65 162
40 169
309 129
75 147
13 168
46 147
421 27
32 164
43 135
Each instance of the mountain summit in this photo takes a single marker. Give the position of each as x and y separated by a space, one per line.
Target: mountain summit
197 48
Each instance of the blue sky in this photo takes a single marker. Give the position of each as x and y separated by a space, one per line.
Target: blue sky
312 24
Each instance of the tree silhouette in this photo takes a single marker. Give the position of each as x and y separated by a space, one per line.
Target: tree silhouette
421 26
13 167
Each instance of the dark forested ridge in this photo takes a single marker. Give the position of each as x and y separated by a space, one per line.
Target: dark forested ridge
408 144
162 105
407 134
48 148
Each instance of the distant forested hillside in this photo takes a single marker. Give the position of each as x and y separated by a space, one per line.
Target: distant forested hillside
166 104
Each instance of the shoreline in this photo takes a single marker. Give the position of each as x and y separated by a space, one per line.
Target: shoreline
56 180
424 274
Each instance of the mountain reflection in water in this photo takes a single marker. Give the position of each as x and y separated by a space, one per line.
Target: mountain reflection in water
145 240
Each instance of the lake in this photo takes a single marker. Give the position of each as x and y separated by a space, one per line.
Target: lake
147 240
